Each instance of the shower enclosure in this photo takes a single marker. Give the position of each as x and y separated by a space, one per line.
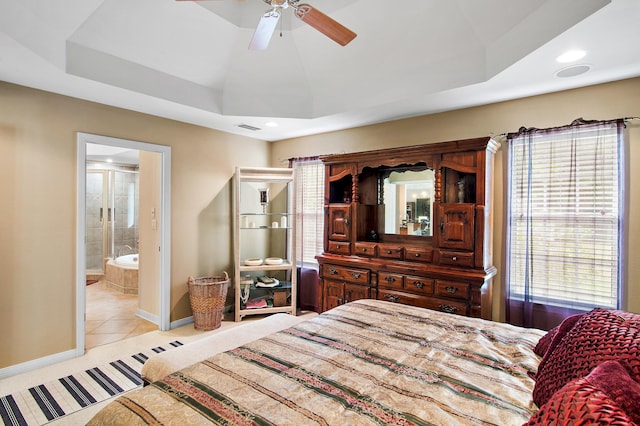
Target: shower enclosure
112 213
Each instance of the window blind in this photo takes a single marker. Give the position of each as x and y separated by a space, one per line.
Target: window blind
309 209
564 216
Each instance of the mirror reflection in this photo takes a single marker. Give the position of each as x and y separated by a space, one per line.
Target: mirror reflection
408 199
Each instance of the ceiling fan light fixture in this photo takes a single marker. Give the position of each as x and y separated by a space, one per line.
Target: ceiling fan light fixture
307 13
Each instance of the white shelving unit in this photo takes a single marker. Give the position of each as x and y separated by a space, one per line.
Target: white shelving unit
263 228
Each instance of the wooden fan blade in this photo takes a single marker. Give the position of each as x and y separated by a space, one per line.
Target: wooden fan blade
264 31
326 25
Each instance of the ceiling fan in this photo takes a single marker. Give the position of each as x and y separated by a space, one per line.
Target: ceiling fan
307 13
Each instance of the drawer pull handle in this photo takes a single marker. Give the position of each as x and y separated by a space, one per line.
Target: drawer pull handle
418 284
391 298
364 250
388 251
332 271
448 309
454 258
390 279
451 289
417 254
356 275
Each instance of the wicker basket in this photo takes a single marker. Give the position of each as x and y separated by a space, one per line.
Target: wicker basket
207 296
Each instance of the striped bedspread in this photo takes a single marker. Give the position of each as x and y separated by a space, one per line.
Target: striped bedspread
364 363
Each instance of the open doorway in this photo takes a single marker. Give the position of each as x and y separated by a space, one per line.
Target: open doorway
113 188
122 231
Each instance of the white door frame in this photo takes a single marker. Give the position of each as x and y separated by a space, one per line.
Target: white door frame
165 228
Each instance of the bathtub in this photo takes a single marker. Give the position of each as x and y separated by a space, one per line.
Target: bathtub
130 261
121 274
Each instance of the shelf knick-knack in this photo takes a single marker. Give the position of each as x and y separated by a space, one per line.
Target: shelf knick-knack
264 198
461 191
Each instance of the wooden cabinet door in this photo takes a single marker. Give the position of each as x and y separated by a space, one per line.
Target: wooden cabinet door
333 294
457 225
356 292
339 222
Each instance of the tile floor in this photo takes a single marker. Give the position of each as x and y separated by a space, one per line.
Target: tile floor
111 316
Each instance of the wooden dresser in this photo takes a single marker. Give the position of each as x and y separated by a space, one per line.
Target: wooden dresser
411 225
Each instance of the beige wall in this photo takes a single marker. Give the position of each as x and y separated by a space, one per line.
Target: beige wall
150 173
606 101
38 179
37 218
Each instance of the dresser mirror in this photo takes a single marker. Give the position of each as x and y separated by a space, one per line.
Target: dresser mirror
408 202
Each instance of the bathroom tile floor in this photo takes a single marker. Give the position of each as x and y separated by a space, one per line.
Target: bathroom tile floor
111 316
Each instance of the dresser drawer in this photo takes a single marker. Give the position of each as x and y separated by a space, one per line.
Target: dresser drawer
417 254
339 247
454 258
390 251
452 289
419 285
366 249
334 272
390 280
404 298
449 306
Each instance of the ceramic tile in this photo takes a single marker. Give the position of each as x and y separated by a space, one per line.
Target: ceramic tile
111 316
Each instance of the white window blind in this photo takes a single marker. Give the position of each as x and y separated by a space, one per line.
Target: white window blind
564 216
309 209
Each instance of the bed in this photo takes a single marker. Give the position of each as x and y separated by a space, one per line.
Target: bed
365 362
372 362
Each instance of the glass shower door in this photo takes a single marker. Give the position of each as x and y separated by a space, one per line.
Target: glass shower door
111 215
96 200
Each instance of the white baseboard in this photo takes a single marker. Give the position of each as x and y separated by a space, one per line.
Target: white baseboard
181 322
70 354
148 316
37 363
156 319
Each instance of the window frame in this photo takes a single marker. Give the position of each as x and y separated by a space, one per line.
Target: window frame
303 214
524 296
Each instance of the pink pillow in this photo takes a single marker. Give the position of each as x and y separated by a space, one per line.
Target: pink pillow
597 336
608 395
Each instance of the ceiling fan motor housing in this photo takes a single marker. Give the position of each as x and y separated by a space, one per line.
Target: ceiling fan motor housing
278 3
308 14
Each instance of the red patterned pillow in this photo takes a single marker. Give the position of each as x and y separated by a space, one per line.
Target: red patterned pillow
608 395
546 342
597 336
631 317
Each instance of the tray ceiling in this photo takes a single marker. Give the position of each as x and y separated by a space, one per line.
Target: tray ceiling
189 61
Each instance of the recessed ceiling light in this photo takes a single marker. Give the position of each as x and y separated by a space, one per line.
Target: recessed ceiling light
573 70
109 160
271 124
571 56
